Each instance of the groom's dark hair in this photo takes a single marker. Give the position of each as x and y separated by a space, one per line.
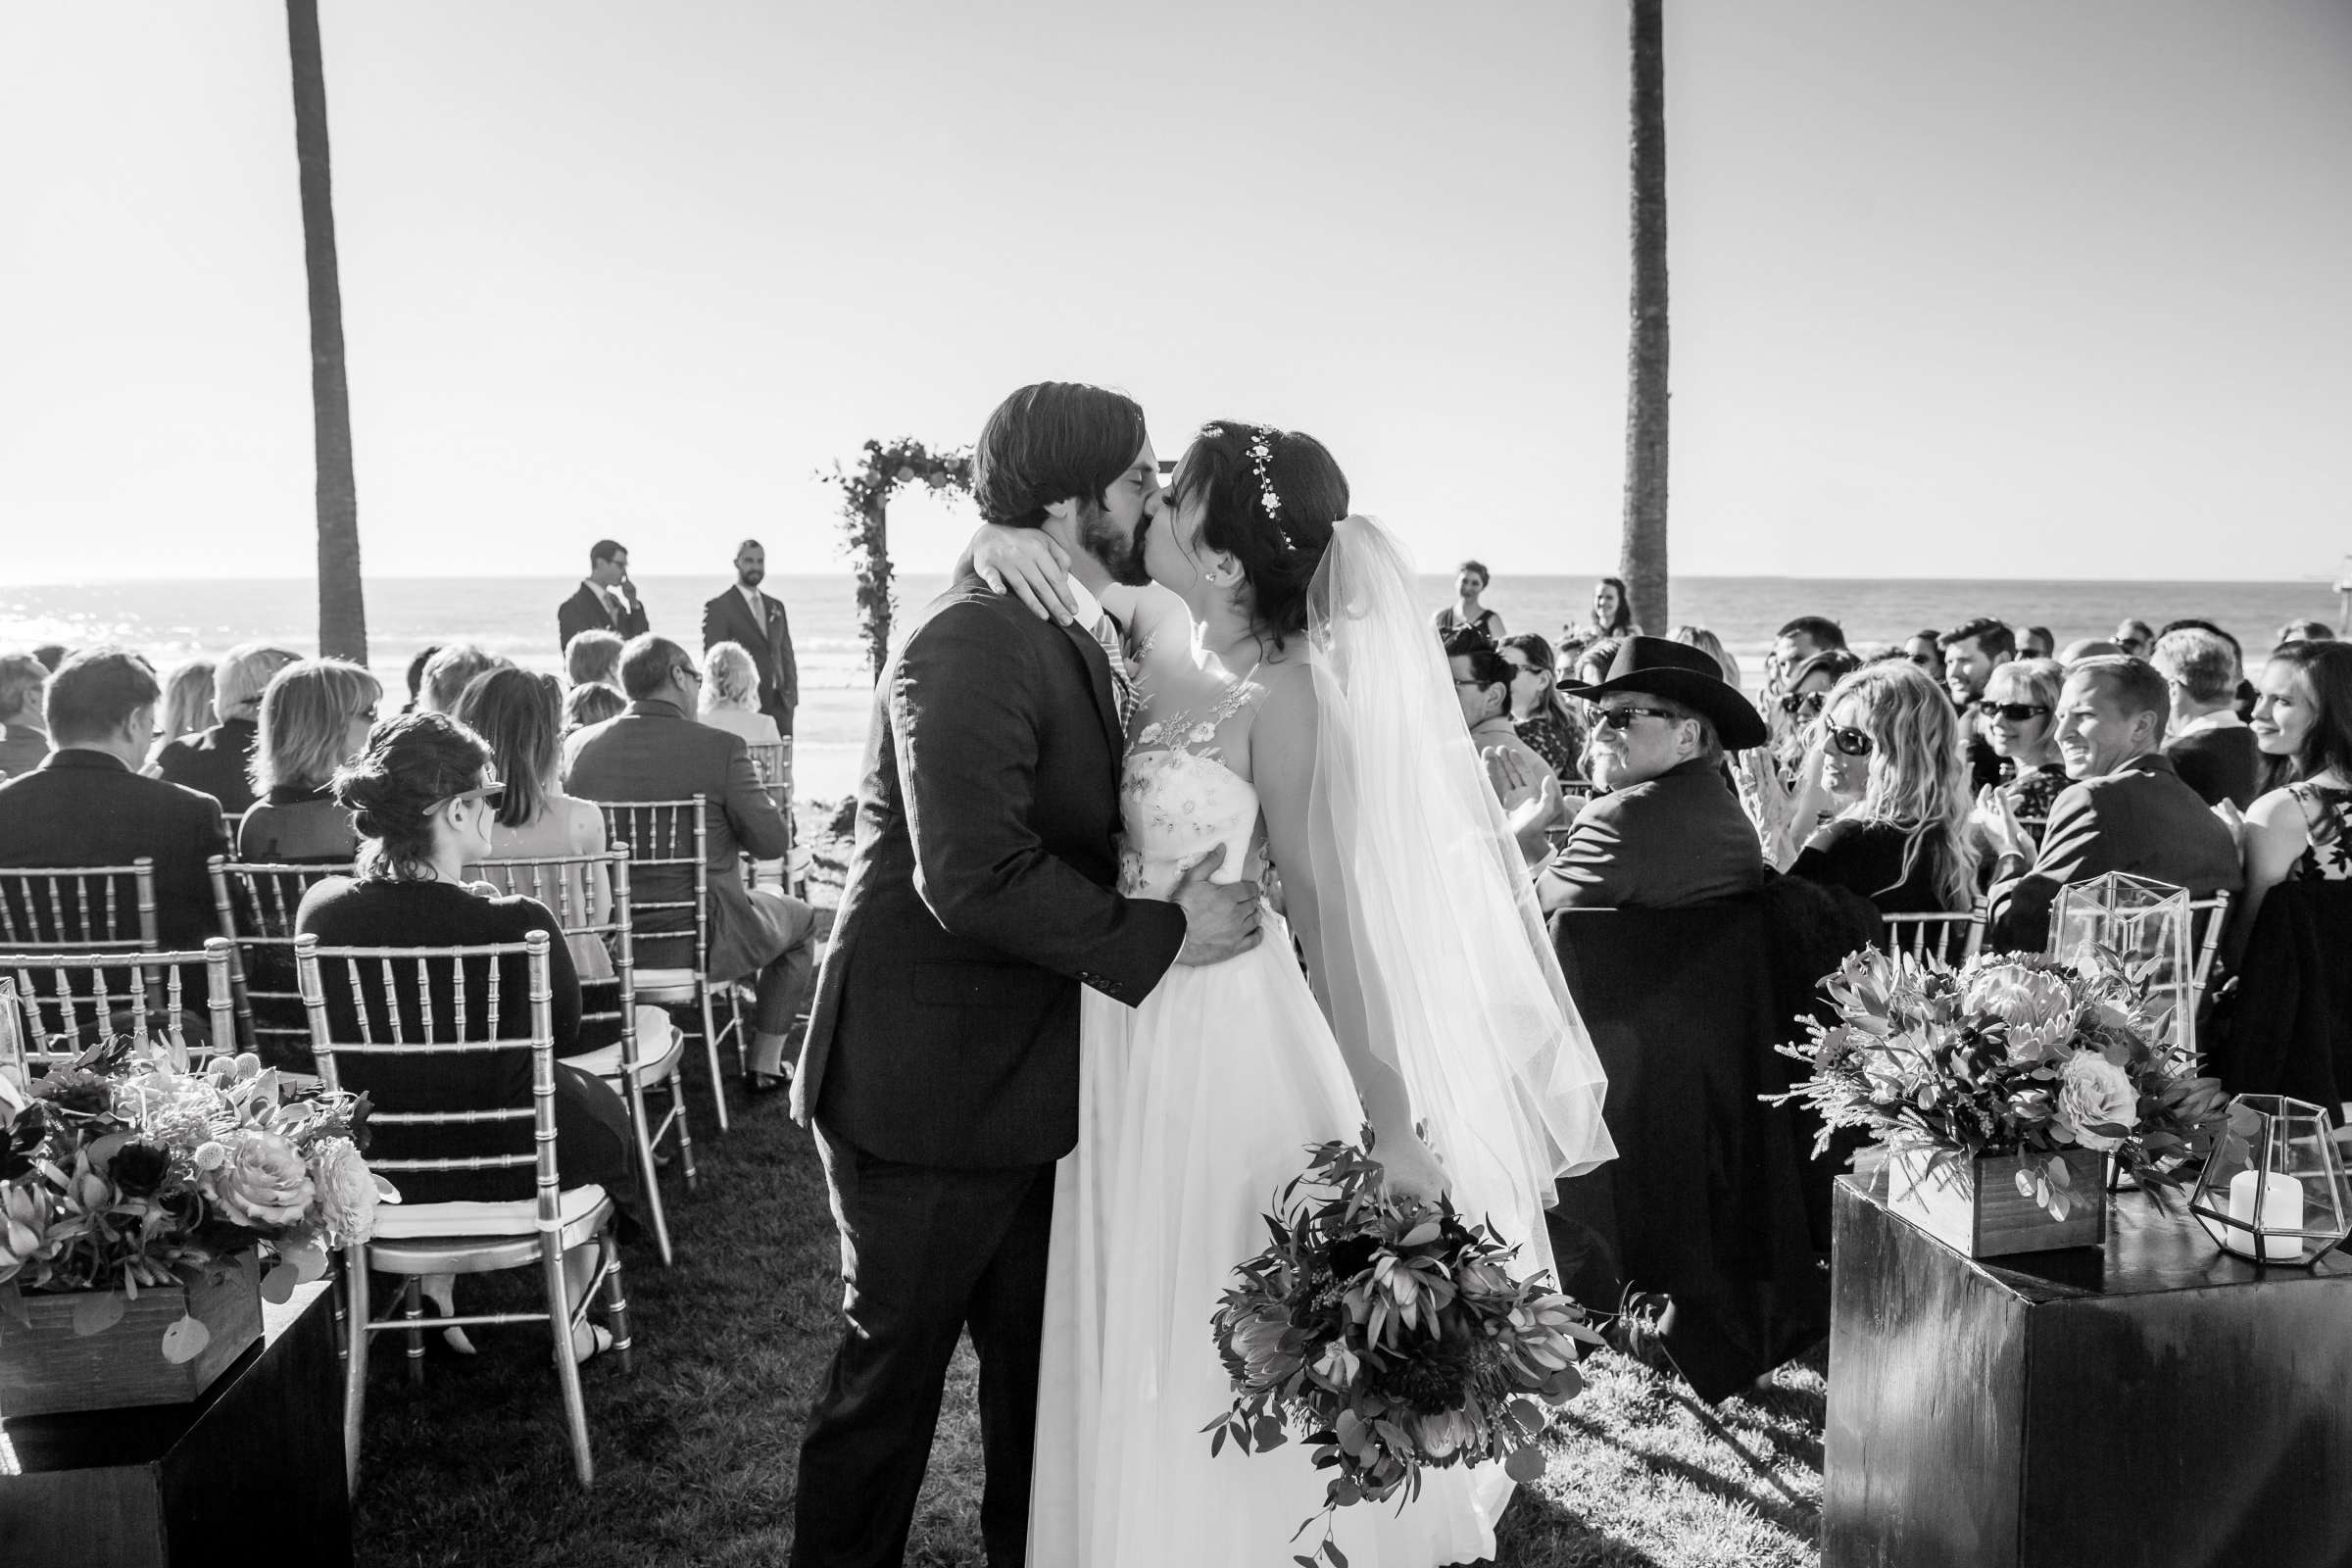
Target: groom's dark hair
1050 442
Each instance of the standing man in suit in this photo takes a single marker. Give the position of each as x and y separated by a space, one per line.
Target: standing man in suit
86 804
2128 809
756 621
605 601
656 751
940 1074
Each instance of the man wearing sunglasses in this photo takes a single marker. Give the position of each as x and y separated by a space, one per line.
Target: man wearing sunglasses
2126 810
1669 831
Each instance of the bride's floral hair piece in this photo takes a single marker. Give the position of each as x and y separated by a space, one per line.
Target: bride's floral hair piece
1271 498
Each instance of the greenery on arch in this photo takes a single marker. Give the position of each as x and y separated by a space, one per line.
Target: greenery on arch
865 493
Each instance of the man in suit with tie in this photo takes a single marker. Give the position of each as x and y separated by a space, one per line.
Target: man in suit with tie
605 601
756 621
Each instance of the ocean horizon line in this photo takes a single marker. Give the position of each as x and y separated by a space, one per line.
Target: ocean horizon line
846 576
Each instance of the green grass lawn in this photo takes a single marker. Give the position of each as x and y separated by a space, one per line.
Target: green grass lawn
695 1445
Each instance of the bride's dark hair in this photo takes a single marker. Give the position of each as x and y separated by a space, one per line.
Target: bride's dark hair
1273 515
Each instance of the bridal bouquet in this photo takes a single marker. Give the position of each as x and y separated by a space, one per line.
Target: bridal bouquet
2011 1054
1391 1335
117 1171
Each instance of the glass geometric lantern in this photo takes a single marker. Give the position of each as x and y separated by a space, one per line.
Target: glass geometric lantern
2276 1190
2142 921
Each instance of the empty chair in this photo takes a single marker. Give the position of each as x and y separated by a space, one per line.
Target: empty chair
257 904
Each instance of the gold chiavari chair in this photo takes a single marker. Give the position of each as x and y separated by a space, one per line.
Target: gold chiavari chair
78 908
2206 917
256 903
1954 936
68 1002
570 887
667 842
414 1240
773 765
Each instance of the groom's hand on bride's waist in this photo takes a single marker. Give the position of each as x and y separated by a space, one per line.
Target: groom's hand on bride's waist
1220 918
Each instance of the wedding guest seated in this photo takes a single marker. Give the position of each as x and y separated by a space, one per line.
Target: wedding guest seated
415 675
2304 719
86 804
2036 642
452 668
2018 713
591 703
217 760
424 798
316 716
1972 652
2305 631
1890 747
1482 684
186 709
1708 643
2083 648
730 697
655 751
1796 642
2134 637
1792 713
1541 715
592 656
1470 580
2209 746
1669 831
24 680
2126 810
518 715
1926 650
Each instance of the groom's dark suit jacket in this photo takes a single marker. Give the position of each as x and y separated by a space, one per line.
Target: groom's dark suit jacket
979 896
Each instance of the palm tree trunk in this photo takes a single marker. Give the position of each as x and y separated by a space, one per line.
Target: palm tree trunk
342 605
1644 551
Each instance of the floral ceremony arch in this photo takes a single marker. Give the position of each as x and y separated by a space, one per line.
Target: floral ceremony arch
865 493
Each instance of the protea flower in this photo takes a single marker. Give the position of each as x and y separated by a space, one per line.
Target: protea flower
2038 1006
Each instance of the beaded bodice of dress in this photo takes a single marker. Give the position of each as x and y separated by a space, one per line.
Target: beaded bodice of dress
2328 823
1178 799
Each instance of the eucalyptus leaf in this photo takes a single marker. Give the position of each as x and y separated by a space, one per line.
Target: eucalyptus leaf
186 1339
309 1262
96 1311
1525 1465
278 1286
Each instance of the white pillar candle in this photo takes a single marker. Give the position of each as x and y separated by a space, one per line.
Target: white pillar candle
2282 1211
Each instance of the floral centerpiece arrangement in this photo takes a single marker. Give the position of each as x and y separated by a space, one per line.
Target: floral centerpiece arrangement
2011 1054
118 1174
1391 1335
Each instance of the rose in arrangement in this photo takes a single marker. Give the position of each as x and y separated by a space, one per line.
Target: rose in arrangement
118 1172
2010 1053
1393 1336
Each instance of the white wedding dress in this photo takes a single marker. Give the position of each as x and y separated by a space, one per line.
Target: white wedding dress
1193 1108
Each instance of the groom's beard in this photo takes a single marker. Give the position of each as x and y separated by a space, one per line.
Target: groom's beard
1123 559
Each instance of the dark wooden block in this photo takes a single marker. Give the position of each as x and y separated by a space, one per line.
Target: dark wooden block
2153 1404
259 1458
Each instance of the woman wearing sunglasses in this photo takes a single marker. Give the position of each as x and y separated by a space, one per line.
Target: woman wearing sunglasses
2017 712
1540 715
1890 746
426 801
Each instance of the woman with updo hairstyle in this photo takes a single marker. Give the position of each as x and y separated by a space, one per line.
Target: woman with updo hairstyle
1890 751
316 716
730 699
425 799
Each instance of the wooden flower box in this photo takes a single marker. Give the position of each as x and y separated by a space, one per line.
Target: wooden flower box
1974 1206
45 1367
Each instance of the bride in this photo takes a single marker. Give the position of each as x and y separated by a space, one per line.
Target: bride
1293 707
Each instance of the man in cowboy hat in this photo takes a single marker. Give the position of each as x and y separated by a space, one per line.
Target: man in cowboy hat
1669 831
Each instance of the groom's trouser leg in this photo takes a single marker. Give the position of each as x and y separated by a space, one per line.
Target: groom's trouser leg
1008 1319
920 1246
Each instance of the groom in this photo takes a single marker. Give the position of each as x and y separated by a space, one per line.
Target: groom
941 1067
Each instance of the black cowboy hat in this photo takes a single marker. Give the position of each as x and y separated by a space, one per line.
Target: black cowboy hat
1682 673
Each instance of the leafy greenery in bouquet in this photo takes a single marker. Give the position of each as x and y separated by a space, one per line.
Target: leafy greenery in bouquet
2011 1054
118 1172
1391 1335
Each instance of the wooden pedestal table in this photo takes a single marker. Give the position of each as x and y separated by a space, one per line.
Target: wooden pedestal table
2156 1402
254 1468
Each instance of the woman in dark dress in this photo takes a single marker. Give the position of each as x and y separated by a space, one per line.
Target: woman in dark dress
424 800
1890 746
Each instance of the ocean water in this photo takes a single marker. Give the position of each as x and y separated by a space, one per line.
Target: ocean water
171 621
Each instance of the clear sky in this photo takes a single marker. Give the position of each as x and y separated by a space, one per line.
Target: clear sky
1986 289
